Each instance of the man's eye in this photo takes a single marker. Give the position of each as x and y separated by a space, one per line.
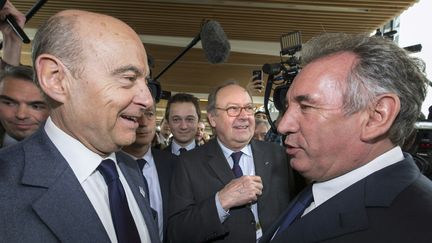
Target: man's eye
132 78
233 108
305 107
38 107
7 103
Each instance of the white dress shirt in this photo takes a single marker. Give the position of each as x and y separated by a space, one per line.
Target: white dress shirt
175 148
323 191
152 178
248 168
84 163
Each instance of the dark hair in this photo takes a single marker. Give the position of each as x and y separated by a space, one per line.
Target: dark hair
381 67
17 72
183 98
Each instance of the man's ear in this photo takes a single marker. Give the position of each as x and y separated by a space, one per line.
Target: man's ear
51 75
211 119
380 117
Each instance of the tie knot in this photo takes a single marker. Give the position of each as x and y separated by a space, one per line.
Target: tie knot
108 170
306 196
141 163
182 150
236 156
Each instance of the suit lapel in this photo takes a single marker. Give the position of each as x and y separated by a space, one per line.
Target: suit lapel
218 162
135 180
346 212
63 205
262 169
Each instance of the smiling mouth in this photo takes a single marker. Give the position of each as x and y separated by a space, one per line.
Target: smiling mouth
130 118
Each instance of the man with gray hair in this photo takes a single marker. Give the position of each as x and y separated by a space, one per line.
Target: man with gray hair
233 187
348 112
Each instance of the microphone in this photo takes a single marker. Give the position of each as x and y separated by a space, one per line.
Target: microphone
214 42
272 69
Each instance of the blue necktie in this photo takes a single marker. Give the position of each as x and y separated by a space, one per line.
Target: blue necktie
141 164
182 150
305 198
123 221
236 167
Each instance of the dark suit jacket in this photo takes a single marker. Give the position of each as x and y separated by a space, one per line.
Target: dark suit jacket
165 162
43 201
204 171
393 204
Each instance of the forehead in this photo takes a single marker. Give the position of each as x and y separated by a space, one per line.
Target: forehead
323 79
112 43
232 94
182 109
19 88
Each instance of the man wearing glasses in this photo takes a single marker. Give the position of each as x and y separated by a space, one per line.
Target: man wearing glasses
182 113
231 189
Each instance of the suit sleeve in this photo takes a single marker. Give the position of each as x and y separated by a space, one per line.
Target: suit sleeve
190 220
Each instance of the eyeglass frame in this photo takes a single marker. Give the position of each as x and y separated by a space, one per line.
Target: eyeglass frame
240 109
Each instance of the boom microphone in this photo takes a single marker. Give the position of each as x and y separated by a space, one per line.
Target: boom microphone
214 42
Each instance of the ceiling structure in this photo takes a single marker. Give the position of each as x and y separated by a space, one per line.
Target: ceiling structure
252 26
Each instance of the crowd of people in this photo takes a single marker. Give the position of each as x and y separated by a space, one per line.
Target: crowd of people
84 159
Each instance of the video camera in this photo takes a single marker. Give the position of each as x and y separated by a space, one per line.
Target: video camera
282 74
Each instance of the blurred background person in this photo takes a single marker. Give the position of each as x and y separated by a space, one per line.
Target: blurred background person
261 129
164 134
201 137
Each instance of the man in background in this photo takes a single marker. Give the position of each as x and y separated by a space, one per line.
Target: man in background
156 166
23 108
66 182
231 189
164 134
182 113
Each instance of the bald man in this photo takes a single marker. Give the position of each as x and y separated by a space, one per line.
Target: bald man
67 182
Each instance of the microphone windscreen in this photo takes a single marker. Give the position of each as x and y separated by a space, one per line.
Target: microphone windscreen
214 42
271 69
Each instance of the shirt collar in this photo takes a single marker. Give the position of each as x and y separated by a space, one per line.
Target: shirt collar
247 150
322 191
188 147
82 160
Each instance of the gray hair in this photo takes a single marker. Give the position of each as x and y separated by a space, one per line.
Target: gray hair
211 101
381 67
59 37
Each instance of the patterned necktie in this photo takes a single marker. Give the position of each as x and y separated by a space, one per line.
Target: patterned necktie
123 221
141 164
305 198
182 150
236 167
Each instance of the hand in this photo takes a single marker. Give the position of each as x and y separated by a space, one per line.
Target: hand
255 86
9 9
11 41
240 191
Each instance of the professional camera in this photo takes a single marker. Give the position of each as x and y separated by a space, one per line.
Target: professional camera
281 75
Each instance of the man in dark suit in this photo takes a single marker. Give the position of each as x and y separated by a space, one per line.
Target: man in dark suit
157 169
65 183
217 196
22 106
348 112
183 114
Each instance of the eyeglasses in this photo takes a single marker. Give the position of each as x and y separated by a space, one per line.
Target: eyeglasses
236 110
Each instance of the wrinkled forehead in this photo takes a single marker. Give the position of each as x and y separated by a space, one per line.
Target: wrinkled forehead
233 94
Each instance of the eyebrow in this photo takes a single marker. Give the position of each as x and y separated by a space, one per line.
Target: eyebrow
32 102
301 98
128 68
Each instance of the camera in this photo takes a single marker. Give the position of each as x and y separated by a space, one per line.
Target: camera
282 74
